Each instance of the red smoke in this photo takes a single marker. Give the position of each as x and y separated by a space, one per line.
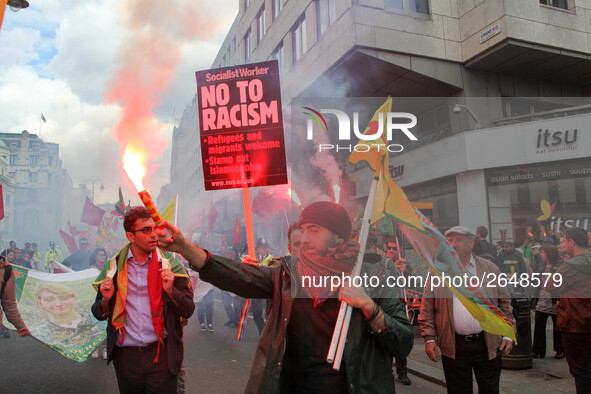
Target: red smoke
146 62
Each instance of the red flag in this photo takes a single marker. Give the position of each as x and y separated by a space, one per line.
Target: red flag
1 203
70 242
266 204
73 230
92 214
213 213
237 232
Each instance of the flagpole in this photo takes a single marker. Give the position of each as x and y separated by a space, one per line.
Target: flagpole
337 344
402 273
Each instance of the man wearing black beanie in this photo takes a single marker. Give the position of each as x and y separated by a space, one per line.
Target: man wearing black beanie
292 350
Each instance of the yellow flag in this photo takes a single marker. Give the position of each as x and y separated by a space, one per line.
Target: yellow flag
375 155
169 212
390 199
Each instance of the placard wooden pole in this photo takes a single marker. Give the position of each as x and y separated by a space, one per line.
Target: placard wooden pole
251 252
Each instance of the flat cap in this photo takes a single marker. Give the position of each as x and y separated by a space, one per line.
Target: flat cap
462 230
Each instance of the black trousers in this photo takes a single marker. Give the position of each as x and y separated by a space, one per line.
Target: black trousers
539 346
401 366
471 355
257 306
577 348
137 373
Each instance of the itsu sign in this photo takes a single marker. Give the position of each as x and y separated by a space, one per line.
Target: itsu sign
241 126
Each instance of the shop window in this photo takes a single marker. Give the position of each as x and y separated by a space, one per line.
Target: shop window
541 200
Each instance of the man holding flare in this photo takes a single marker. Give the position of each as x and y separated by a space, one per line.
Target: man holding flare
291 354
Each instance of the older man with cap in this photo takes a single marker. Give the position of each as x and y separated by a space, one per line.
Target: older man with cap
292 350
447 324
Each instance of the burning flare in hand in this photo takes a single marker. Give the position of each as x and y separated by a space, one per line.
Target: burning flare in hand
134 163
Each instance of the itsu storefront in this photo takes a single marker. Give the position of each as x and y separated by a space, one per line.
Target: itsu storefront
529 178
545 198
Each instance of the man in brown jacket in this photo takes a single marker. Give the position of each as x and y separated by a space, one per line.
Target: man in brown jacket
9 305
446 323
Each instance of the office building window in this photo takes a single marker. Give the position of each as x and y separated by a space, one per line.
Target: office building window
420 6
13 146
299 39
556 3
32 177
326 11
7 200
247 45
393 4
277 7
50 161
13 159
34 160
279 55
50 179
261 24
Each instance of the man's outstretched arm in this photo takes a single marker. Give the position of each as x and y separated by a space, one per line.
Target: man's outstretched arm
245 280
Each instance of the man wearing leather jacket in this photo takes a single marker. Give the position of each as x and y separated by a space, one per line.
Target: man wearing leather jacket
292 350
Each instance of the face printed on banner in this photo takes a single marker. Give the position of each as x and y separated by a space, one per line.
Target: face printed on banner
143 235
56 304
462 244
318 238
392 250
101 257
295 243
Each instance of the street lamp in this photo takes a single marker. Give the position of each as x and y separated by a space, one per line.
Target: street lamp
17 5
458 108
92 180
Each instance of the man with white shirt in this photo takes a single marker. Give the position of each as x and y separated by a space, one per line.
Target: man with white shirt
445 323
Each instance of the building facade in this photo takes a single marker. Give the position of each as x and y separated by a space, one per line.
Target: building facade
37 188
492 76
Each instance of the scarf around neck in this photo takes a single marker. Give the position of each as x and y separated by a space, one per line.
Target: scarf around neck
336 262
118 266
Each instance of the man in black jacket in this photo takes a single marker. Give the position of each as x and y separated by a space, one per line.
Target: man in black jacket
292 350
143 295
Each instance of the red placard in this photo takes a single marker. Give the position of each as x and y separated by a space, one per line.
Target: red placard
241 126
